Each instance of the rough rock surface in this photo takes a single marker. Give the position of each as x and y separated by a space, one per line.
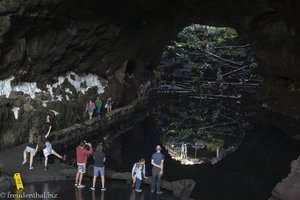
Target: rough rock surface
120 40
288 188
6 183
181 189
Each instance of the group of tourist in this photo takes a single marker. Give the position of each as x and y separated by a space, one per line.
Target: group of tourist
35 140
39 140
138 172
91 107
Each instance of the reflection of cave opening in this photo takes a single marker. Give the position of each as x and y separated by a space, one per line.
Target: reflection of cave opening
209 73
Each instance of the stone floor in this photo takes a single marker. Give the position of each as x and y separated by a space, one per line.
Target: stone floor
52 182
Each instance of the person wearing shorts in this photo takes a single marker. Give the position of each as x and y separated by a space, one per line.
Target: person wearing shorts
48 150
90 107
108 104
31 148
82 151
99 168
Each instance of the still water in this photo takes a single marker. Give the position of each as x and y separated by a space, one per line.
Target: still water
65 190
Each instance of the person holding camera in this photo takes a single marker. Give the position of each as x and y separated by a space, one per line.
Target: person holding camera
82 151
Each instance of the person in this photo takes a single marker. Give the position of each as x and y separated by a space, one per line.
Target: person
98 104
31 148
219 75
99 168
48 150
108 104
157 162
182 152
82 151
90 107
138 171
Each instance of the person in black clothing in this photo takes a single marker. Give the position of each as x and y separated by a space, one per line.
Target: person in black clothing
47 149
99 168
46 126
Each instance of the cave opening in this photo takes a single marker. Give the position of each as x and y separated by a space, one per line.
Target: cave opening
210 119
57 55
209 74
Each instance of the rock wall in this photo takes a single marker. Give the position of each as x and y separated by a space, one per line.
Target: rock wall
120 40
288 188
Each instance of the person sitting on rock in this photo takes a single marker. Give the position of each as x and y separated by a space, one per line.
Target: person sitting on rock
48 150
90 107
31 148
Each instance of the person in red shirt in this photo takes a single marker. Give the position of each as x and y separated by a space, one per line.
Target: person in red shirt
82 151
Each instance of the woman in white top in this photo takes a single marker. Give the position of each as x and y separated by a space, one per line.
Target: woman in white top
31 148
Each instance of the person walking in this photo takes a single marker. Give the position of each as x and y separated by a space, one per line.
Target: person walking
157 162
90 107
48 150
82 151
98 104
99 168
31 148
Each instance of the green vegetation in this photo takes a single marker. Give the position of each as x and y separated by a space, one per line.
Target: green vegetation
193 41
214 143
158 74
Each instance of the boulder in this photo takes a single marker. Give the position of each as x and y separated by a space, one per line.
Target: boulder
6 183
181 189
288 188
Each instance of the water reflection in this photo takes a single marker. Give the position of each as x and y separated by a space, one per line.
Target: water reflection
136 196
101 195
116 190
78 194
197 132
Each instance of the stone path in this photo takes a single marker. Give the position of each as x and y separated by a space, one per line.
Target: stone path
12 160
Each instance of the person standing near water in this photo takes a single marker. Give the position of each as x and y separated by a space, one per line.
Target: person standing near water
138 171
157 162
99 168
82 151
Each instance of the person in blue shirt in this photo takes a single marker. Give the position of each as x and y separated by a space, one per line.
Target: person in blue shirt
157 162
138 171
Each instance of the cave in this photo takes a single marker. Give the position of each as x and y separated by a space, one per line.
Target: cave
57 55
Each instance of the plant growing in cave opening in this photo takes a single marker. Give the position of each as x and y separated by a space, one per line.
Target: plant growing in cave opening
191 44
189 65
